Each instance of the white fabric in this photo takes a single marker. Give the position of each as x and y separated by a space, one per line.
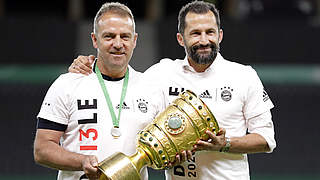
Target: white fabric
235 95
61 105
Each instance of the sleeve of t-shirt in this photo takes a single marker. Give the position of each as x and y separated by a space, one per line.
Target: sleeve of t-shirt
55 106
257 100
155 79
46 124
263 125
152 93
257 109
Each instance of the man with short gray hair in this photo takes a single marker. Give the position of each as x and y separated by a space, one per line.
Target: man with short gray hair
79 123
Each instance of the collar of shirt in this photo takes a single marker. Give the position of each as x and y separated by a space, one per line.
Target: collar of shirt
106 77
187 68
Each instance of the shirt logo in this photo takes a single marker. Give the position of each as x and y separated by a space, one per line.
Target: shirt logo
142 105
226 94
265 96
124 106
205 94
47 104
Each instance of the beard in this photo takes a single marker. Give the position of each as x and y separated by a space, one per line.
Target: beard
199 58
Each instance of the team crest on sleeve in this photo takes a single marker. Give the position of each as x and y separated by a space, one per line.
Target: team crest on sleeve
142 105
226 93
265 96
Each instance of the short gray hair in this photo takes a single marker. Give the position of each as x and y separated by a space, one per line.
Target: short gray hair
116 8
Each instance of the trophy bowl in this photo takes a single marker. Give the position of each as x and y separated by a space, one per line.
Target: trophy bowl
177 128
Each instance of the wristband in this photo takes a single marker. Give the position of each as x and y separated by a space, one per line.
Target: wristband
226 147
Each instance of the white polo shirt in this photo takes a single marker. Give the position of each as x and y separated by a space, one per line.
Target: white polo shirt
234 94
78 101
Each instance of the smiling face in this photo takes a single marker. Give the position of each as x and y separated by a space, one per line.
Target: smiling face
201 37
115 41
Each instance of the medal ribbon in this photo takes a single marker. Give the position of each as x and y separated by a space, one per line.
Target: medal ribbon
115 120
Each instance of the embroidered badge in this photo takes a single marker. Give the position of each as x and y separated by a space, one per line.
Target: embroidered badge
142 105
226 94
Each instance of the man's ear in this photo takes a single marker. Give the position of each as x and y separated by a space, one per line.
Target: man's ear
135 39
94 40
220 35
180 39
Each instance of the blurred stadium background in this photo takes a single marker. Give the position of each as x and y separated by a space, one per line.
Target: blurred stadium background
280 39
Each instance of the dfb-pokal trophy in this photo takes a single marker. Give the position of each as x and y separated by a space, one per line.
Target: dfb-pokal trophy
177 128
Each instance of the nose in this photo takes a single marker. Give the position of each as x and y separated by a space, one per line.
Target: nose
204 39
117 43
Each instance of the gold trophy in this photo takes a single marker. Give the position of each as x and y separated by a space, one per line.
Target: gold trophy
177 128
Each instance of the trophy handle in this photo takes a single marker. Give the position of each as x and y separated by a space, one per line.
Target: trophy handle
121 167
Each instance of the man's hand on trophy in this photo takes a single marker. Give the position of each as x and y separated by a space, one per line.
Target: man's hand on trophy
214 143
90 167
181 157
82 64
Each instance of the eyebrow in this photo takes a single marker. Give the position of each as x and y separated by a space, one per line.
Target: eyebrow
112 33
197 30
126 33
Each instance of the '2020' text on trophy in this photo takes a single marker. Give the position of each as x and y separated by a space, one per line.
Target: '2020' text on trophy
177 128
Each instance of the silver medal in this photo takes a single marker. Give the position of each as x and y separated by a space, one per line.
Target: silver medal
115 132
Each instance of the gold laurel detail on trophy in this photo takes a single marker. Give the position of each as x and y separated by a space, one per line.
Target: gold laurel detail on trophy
189 112
168 148
194 102
206 115
158 153
177 140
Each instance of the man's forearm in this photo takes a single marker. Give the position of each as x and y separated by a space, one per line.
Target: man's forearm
48 152
251 143
52 155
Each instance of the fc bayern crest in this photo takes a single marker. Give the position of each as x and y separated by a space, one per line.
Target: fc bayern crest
142 105
226 93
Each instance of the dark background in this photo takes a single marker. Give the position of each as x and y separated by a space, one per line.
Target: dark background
39 39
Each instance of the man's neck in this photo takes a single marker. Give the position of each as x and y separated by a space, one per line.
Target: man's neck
198 67
111 72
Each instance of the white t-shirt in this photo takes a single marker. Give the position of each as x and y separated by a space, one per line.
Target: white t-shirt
78 101
234 94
